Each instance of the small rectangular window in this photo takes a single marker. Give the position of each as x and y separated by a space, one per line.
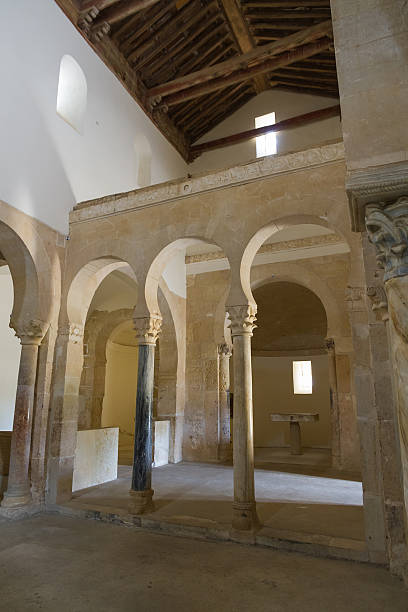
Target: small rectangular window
266 144
302 377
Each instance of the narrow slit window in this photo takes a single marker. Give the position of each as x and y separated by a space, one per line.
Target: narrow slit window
266 144
72 93
302 377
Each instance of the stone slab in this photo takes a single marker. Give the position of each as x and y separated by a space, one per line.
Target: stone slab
96 457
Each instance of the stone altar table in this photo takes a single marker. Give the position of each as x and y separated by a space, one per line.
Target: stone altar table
294 419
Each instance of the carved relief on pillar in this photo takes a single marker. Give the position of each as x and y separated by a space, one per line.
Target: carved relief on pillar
387 227
242 319
379 301
29 332
148 329
74 331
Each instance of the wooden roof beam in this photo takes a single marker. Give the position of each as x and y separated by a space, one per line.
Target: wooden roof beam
284 59
243 37
122 10
287 124
222 69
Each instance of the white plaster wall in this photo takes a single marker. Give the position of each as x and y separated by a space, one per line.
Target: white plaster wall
285 105
9 353
45 165
119 403
175 274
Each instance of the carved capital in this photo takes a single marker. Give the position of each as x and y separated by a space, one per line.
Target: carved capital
387 227
329 344
379 301
147 329
242 319
224 350
29 332
74 331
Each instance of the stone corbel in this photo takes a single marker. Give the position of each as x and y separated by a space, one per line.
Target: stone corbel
242 319
147 329
387 228
29 332
85 23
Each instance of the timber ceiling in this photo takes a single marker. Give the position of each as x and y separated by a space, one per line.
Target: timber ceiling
192 63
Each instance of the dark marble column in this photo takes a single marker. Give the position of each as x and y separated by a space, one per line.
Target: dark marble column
147 331
18 489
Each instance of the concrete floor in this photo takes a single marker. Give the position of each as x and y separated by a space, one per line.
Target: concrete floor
201 494
58 564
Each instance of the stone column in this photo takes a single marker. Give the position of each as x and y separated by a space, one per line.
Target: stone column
19 490
334 405
244 506
224 430
147 332
387 227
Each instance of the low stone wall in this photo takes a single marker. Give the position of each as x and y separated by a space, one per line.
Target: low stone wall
96 457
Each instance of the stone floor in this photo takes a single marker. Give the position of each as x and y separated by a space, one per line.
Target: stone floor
58 564
315 501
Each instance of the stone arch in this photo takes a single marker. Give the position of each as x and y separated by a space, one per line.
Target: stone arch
294 273
265 232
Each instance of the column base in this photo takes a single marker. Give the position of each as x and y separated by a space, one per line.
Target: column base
18 500
141 502
244 516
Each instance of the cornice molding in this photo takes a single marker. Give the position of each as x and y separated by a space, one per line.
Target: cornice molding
374 185
183 188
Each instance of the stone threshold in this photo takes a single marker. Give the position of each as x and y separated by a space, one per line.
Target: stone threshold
315 545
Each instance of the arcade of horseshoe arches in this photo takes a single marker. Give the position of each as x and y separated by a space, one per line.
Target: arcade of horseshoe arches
162 283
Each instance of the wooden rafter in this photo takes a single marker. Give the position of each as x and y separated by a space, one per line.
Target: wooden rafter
243 36
243 75
256 56
120 11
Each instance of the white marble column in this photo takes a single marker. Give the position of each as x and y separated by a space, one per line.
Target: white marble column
141 492
244 506
19 490
224 420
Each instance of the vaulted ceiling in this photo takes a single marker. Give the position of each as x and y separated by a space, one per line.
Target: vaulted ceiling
192 63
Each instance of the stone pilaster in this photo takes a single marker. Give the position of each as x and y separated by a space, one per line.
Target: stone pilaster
224 425
19 490
244 507
147 332
387 228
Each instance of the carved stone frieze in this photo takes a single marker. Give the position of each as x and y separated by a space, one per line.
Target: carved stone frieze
174 190
242 319
379 301
33 330
387 227
147 329
355 298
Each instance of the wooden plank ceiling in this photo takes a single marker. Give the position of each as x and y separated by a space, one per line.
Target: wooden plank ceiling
192 63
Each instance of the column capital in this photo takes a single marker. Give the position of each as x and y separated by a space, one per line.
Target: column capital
242 319
224 349
147 329
379 301
330 344
387 228
29 332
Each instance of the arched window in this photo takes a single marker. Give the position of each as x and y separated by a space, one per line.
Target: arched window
144 160
72 92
